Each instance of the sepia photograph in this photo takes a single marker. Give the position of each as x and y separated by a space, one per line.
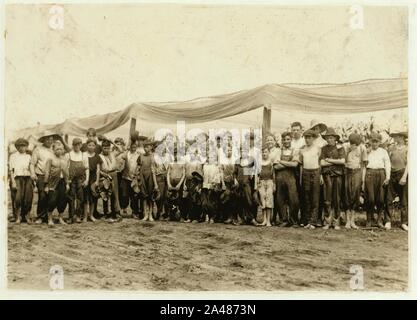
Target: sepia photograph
206 147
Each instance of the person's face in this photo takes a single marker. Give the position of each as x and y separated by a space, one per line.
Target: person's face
331 140
58 151
106 150
148 149
91 147
229 151
270 142
265 154
91 135
133 147
47 142
317 130
22 149
375 144
286 141
77 147
119 144
309 140
296 132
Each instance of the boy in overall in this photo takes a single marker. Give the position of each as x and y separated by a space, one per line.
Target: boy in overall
94 163
193 163
310 180
228 196
162 159
212 186
127 193
57 183
378 173
175 180
356 158
21 182
285 180
246 205
78 180
266 187
332 161
145 163
398 184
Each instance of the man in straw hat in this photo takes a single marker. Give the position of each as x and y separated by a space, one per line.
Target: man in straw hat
21 181
40 156
332 161
398 184
378 173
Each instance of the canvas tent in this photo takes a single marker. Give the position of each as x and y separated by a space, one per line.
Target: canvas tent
232 109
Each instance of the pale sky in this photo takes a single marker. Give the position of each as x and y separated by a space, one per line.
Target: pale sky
108 56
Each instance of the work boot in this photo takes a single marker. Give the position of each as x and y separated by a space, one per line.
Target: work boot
50 220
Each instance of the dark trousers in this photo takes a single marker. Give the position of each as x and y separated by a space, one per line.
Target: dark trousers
228 202
57 198
311 191
42 208
161 203
374 192
23 195
246 207
210 202
395 189
352 188
128 195
286 192
332 187
76 194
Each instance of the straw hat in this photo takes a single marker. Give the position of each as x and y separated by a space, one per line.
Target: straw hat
314 123
331 132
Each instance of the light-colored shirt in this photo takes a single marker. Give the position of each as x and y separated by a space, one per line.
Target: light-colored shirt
19 164
379 159
298 144
356 157
320 142
309 156
109 162
78 156
39 158
212 175
275 154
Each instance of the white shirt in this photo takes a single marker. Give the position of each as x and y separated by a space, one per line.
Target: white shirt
275 155
298 144
379 159
19 164
212 175
320 142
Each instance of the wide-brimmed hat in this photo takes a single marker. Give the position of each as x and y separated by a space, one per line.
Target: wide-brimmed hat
314 123
403 134
197 176
135 136
21 142
53 135
331 132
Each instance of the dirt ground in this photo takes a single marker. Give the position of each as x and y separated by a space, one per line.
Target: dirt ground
135 255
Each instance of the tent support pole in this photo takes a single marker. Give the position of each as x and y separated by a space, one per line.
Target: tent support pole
132 127
266 122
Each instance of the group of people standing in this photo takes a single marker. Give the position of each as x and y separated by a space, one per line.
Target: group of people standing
307 180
